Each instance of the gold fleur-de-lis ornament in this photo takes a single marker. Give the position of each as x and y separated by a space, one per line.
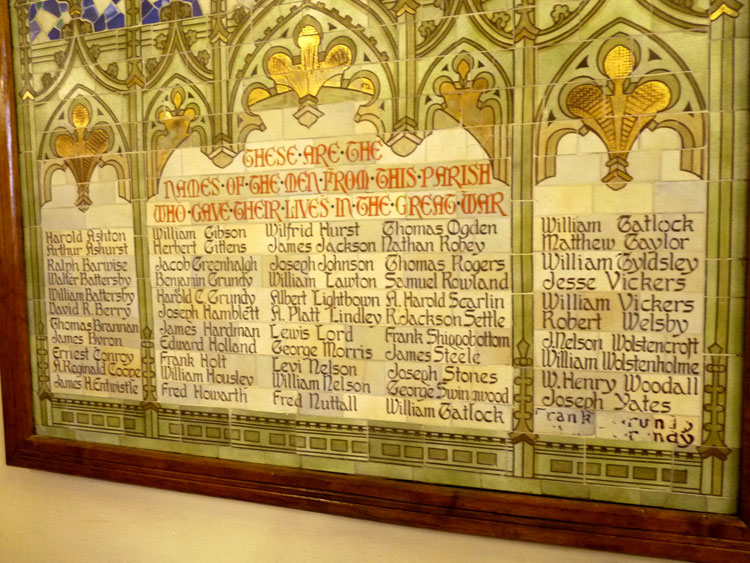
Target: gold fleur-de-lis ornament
82 151
310 74
176 120
618 118
462 101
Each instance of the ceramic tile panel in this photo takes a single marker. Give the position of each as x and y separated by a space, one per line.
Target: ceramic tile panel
493 244
47 19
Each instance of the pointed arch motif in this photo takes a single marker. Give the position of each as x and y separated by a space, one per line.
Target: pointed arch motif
475 92
621 78
495 25
82 134
322 48
177 42
77 51
680 13
177 112
436 32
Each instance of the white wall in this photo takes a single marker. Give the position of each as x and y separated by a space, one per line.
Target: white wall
59 519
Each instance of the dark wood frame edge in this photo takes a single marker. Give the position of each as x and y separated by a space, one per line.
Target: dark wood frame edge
586 524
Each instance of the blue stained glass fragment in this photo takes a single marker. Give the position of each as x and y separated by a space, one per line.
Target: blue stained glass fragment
52 7
146 8
90 14
150 9
110 18
117 22
152 17
34 29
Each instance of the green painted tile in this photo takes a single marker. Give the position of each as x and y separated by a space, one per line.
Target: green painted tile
326 464
528 85
375 469
568 490
721 505
447 477
616 494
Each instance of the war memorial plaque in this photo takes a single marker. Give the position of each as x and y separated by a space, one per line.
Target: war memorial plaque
489 249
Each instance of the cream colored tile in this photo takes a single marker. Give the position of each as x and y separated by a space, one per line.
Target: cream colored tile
563 199
687 196
633 198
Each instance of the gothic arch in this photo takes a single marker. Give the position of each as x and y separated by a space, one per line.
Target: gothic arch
344 58
651 64
177 112
474 90
81 134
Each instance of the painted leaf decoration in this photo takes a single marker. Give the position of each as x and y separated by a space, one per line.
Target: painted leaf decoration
340 55
590 104
650 97
97 143
586 101
279 66
619 62
65 146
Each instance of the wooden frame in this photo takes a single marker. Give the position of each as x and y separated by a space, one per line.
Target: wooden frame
595 525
